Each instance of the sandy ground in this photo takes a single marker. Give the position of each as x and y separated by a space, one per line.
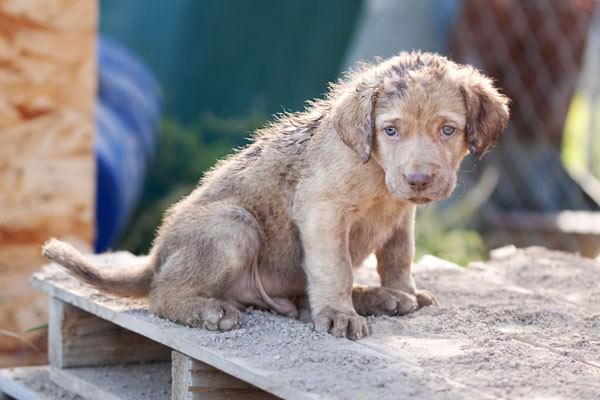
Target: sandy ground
525 324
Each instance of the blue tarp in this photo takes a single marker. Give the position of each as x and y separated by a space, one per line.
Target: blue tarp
127 111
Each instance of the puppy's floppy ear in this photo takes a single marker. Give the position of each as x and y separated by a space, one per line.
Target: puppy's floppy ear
487 113
353 118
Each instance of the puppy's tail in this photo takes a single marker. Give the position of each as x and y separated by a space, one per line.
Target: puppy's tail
131 280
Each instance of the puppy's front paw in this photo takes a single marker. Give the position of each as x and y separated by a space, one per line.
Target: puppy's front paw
341 323
425 298
383 301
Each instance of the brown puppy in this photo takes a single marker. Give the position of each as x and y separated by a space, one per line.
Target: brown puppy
285 219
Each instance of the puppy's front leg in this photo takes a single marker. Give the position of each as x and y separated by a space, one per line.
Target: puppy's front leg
328 269
394 261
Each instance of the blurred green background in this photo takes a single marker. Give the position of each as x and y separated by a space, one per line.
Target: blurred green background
225 67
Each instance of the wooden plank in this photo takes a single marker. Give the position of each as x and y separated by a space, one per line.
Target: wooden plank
148 381
72 383
349 366
78 338
195 380
572 231
31 383
13 388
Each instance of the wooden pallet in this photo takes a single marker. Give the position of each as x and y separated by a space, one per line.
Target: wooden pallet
106 347
97 359
96 330
98 343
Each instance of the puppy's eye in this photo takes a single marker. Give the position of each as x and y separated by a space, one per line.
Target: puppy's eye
448 130
390 131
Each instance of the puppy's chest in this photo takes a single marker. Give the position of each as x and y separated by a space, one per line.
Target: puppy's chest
372 226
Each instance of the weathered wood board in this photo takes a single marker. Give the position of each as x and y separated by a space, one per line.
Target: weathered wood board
47 165
522 325
78 339
151 381
195 380
31 383
148 381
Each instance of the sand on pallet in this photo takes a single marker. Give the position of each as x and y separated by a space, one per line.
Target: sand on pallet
525 324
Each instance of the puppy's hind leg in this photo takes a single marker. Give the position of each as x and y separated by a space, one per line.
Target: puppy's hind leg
212 250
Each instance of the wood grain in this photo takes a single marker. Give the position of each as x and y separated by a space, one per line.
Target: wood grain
194 379
78 338
47 167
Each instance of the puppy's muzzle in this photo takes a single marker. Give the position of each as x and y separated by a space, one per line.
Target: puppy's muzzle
418 181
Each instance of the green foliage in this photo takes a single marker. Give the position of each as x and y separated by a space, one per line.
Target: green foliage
183 155
581 144
436 234
36 328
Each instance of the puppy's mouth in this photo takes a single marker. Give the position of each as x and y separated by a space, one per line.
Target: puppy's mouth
420 200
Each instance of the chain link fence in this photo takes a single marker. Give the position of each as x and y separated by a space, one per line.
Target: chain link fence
539 186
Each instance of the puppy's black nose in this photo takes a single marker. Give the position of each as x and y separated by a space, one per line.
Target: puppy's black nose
418 181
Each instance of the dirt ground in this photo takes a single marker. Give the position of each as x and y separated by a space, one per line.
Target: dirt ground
525 324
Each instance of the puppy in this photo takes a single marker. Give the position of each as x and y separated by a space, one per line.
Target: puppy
280 223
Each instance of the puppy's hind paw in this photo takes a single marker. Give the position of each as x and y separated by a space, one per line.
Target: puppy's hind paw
216 315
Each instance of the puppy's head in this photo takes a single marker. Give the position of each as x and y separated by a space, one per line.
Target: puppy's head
417 115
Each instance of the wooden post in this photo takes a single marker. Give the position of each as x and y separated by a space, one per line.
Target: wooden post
195 380
77 338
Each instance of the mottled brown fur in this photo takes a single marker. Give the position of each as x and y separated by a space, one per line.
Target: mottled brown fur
287 217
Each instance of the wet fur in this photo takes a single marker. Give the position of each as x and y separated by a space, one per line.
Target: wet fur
280 223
